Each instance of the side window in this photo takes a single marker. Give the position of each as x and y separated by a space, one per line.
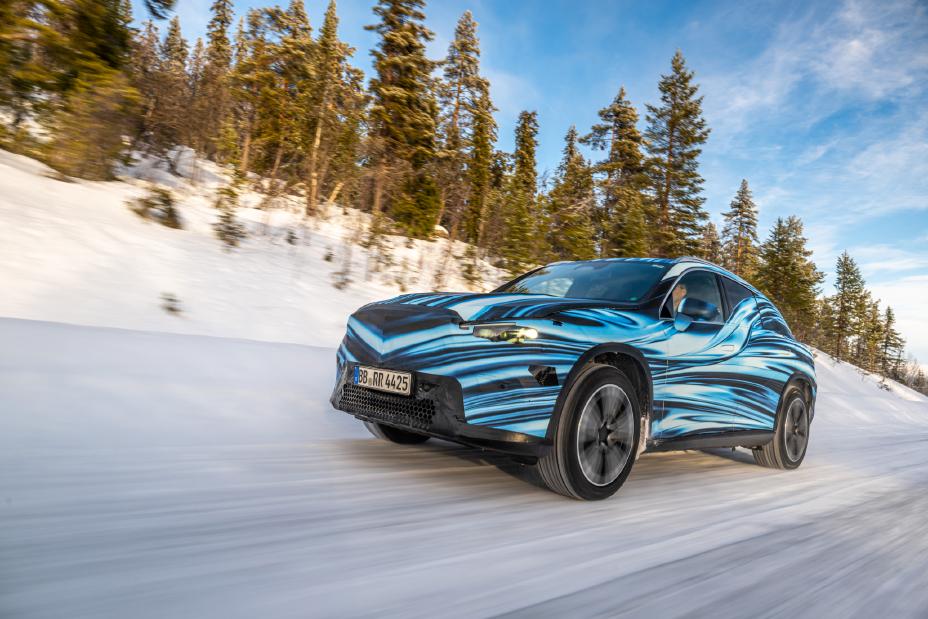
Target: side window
735 292
777 326
701 286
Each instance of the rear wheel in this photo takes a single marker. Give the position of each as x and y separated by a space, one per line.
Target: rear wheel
788 447
596 438
394 435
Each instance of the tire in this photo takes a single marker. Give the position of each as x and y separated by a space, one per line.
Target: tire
394 435
790 441
599 469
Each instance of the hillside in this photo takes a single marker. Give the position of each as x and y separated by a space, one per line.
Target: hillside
72 251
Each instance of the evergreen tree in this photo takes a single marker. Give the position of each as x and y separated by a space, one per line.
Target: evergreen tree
519 211
849 292
169 118
892 347
145 76
788 276
211 102
739 235
464 98
711 246
674 137
403 116
479 167
620 219
570 206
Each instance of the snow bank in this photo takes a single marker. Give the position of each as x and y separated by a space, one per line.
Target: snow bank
73 252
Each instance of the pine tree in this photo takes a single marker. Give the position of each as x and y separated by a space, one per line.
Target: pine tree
787 275
676 131
739 235
479 167
464 96
849 292
403 116
620 219
892 347
172 83
145 74
520 209
711 245
570 206
211 102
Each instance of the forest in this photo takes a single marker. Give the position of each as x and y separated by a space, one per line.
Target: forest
278 102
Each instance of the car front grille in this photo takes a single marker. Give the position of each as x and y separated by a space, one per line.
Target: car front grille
395 409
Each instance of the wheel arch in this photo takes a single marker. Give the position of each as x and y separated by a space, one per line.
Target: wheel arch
808 386
622 356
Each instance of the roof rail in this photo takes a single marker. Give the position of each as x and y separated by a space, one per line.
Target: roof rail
694 259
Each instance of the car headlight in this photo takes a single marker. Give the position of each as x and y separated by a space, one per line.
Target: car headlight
507 332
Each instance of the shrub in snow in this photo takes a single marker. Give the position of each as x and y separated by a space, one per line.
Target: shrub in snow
170 303
227 227
158 206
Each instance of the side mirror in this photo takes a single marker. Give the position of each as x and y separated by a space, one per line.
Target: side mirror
695 309
682 322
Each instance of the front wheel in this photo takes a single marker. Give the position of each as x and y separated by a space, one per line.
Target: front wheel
394 435
788 447
596 438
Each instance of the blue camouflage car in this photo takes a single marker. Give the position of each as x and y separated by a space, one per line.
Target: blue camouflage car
579 367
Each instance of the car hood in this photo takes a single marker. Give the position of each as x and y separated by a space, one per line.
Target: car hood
488 307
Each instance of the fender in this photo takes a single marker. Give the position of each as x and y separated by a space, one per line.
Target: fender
577 370
798 377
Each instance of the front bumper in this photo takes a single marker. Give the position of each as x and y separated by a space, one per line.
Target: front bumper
435 408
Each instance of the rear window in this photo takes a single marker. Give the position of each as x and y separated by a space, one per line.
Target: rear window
735 292
608 280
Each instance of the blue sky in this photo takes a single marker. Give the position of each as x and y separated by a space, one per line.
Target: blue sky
822 106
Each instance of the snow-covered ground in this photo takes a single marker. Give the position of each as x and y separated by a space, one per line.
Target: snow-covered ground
153 471
74 252
163 475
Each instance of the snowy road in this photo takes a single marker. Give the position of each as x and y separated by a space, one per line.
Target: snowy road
156 475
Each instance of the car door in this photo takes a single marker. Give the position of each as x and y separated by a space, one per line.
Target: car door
695 393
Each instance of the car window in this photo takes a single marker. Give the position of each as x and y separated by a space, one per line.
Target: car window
622 281
699 285
735 292
777 326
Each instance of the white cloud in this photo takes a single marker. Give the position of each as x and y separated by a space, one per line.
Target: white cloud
813 65
908 297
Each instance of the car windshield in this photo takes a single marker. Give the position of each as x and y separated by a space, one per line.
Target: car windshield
610 280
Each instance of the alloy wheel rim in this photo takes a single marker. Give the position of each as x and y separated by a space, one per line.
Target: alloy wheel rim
605 435
796 431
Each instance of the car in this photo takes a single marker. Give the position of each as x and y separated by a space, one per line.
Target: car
579 367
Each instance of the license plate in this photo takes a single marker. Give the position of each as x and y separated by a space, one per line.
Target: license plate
383 380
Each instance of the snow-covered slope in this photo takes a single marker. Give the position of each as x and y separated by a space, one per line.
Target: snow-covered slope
73 252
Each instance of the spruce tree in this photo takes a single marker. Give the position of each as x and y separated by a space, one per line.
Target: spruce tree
171 115
674 137
892 347
211 104
849 293
787 275
403 116
464 97
479 166
519 211
570 206
711 245
739 235
620 218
